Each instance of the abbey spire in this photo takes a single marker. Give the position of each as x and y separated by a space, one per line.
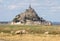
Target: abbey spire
30 6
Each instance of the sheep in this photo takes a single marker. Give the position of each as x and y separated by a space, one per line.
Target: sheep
2 32
18 32
46 32
21 32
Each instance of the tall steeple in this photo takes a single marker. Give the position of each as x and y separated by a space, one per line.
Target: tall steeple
30 6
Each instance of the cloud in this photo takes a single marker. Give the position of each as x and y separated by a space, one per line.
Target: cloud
34 1
16 6
54 9
1 1
11 7
21 5
49 3
44 4
31 0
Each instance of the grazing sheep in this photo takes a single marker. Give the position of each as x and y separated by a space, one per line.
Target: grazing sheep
2 32
21 32
46 32
18 32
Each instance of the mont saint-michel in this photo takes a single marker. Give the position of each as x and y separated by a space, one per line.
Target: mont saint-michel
29 17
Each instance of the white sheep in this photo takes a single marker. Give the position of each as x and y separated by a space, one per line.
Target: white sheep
21 32
46 32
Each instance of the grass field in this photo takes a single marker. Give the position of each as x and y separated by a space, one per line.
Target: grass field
37 35
31 28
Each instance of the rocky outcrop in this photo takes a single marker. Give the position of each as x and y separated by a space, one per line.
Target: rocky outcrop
29 17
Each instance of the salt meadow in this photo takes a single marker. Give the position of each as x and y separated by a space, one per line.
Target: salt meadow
35 32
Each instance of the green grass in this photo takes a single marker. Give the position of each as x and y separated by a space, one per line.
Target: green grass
31 28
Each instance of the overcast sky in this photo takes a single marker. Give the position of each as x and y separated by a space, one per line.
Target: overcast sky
48 9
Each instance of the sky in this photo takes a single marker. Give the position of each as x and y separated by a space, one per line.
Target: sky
48 9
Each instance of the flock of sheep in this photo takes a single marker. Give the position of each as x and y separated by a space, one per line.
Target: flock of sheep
25 32
22 32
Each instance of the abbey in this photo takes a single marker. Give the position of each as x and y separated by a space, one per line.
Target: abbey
29 17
